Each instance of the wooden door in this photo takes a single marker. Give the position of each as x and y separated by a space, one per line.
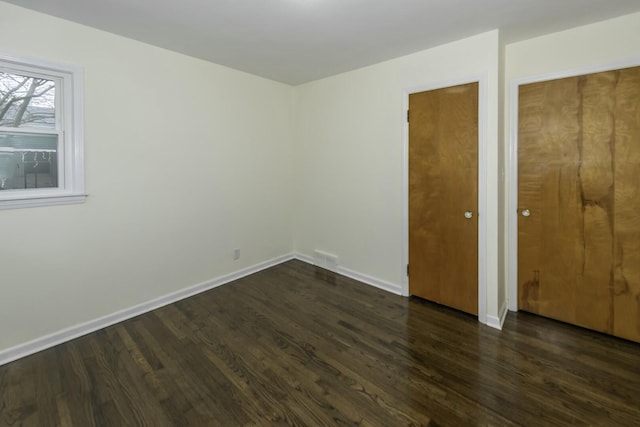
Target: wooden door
579 201
443 186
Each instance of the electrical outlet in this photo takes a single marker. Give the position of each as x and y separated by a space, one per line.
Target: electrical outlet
236 254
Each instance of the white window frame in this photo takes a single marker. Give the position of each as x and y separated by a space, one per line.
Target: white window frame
69 127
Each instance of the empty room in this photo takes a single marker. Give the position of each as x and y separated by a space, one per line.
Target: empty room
320 212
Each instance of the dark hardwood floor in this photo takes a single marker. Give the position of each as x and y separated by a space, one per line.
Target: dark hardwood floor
293 345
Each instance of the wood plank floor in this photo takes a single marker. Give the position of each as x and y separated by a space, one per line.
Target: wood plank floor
293 345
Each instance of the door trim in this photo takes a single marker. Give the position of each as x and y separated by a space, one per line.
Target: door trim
481 79
512 194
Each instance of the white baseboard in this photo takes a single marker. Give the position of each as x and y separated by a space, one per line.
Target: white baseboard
59 337
373 281
498 322
304 258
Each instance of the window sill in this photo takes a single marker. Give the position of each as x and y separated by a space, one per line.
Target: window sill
42 201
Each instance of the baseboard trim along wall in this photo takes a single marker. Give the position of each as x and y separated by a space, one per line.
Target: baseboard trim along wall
48 341
375 282
64 335
492 321
498 321
378 283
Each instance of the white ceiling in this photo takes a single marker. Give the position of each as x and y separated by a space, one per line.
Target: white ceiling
296 41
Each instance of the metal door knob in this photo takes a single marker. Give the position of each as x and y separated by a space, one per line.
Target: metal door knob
526 212
468 214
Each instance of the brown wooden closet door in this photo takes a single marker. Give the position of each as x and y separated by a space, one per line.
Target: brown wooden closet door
579 201
443 186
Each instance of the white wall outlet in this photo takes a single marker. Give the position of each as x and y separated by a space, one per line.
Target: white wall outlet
236 254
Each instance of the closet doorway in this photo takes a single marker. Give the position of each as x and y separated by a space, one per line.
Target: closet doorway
443 196
579 200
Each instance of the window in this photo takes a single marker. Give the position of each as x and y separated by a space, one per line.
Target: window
41 147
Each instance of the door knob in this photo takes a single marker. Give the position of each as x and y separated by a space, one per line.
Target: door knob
468 214
526 212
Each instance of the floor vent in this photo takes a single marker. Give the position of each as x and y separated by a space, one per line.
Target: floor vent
325 260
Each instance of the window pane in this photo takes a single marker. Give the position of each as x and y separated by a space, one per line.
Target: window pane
27 101
28 160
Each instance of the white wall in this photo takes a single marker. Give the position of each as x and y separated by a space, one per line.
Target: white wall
349 156
608 44
185 160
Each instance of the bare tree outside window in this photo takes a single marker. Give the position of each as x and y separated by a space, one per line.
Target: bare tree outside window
26 101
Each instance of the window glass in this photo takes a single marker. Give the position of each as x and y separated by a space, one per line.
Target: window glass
28 152
41 133
28 160
27 101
